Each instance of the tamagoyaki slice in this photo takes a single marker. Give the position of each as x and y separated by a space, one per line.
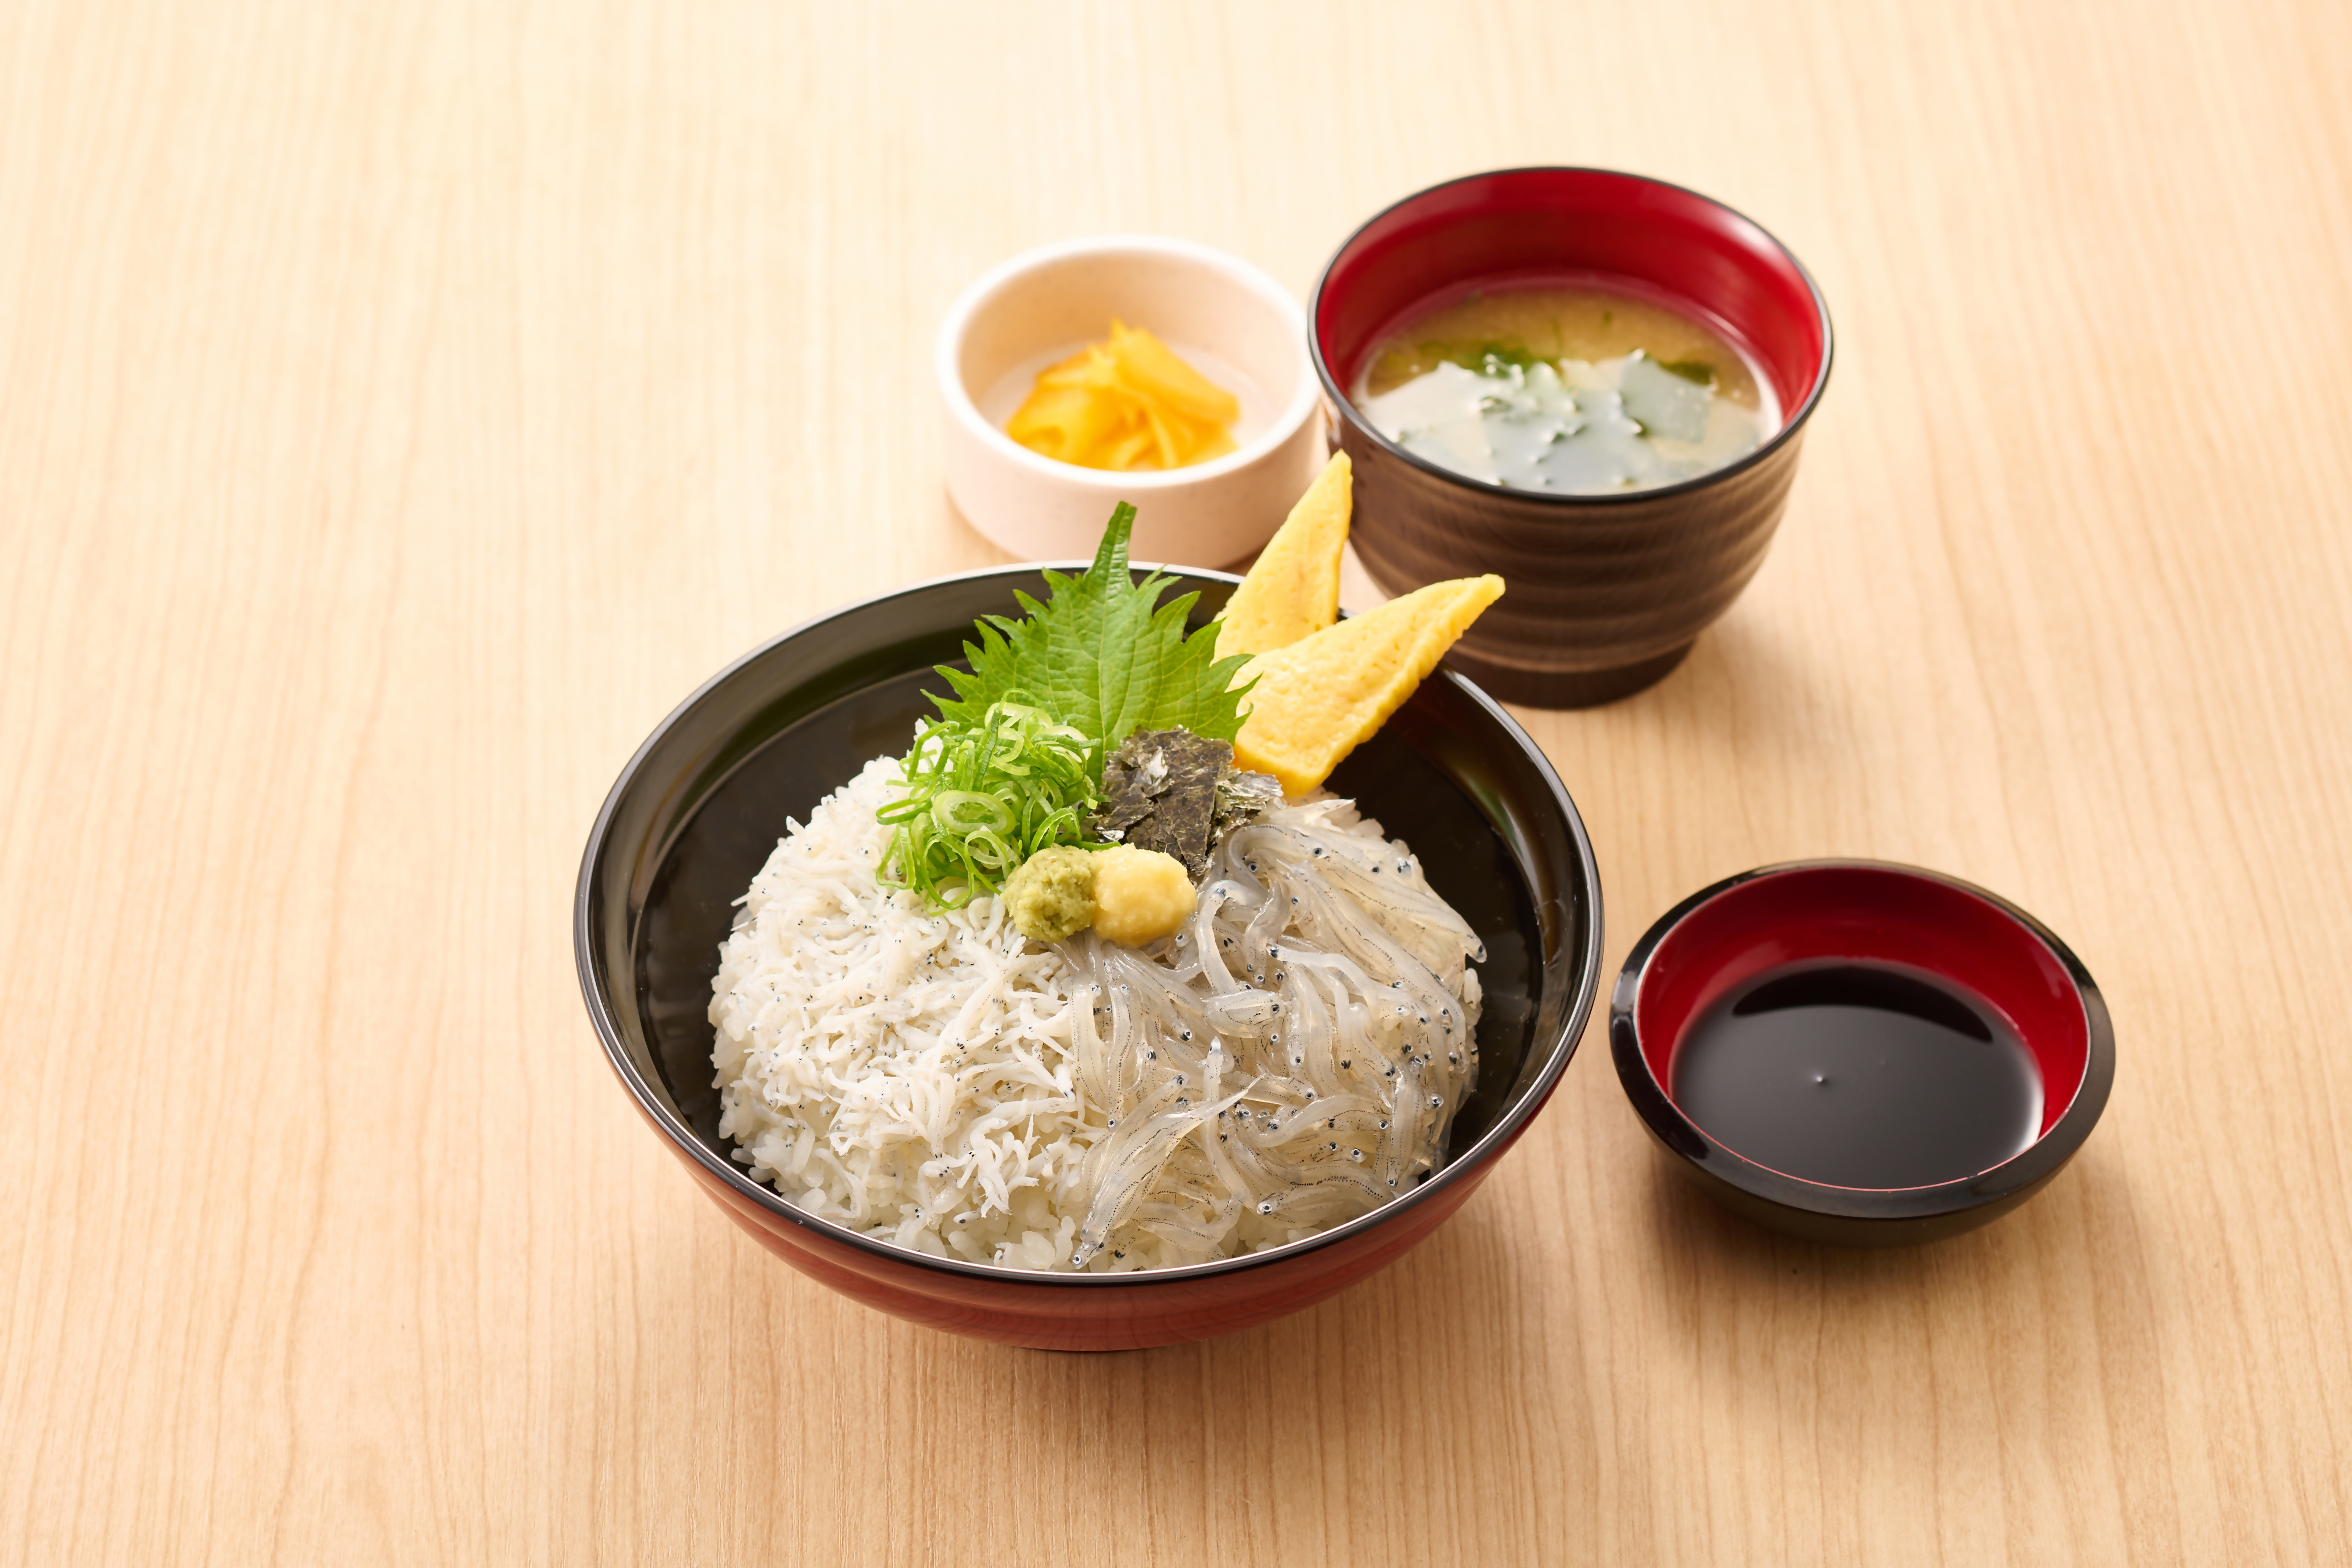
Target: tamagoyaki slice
1293 590
1321 697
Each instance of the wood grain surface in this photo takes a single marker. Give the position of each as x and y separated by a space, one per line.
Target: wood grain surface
402 407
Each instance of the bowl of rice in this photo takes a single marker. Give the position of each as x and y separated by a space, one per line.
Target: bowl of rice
899 1101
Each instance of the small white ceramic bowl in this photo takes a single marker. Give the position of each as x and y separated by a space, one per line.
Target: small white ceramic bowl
1234 323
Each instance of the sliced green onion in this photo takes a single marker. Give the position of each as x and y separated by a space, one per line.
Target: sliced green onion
978 799
969 812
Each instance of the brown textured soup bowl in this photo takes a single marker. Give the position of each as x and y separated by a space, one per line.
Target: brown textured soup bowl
1806 918
1607 592
698 808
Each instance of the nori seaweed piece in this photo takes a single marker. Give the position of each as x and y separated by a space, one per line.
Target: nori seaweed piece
1160 792
1241 799
1131 776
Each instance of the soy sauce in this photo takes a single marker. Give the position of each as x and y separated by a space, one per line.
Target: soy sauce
1859 1075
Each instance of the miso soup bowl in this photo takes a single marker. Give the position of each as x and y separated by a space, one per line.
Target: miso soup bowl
696 811
1608 593
1723 936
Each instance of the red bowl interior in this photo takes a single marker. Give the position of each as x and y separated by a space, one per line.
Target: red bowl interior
1868 912
1531 225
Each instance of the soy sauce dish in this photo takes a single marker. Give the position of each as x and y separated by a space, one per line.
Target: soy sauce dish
1861 1053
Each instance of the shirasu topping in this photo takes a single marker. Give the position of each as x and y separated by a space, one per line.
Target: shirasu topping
1293 1058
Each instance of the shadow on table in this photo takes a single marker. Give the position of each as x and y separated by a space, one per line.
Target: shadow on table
1464 1304
1709 1252
1741 678
1497 1358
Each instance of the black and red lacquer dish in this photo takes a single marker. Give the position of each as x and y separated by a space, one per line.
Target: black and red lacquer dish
1861 1053
698 808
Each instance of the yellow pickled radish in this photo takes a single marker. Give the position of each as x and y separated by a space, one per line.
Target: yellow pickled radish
1154 368
1128 402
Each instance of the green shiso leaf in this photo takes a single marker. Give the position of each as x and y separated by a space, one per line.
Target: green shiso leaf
1102 655
1013 764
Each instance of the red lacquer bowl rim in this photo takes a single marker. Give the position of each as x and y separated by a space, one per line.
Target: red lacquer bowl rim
1789 425
1684 1138
1556 1050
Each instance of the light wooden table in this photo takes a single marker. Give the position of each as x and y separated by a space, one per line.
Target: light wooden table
403 406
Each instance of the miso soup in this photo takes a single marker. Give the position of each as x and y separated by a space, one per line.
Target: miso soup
1570 391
